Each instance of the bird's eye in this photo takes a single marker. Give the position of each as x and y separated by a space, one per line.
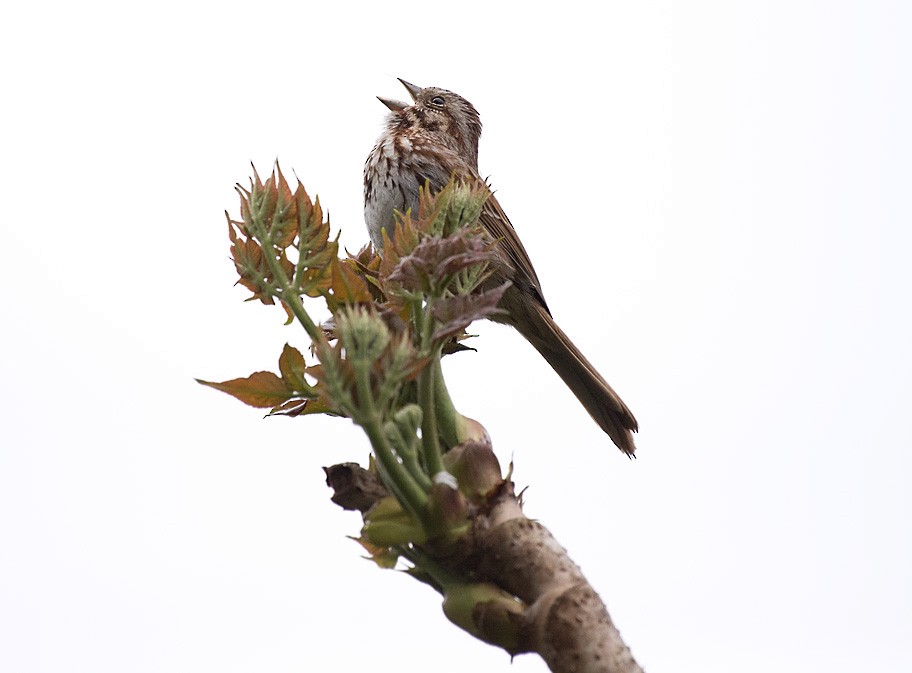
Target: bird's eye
437 100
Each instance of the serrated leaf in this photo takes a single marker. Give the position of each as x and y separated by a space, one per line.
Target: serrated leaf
247 256
316 253
284 226
245 205
251 268
264 197
232 235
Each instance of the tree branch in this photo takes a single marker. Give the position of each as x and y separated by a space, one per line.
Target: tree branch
563 619
451 514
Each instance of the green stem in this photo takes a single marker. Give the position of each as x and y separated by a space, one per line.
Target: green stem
414 469
449 420
430 444
287 292
404 487
409 456
433 460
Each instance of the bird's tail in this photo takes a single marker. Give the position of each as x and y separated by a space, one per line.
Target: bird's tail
598 398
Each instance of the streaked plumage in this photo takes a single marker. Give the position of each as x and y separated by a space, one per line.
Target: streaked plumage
432 140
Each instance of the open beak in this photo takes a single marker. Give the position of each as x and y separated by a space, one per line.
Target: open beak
394 105
397 105
411 88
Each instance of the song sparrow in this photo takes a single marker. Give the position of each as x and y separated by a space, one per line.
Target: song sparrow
432 140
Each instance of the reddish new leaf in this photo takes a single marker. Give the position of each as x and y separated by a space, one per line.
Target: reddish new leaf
316 253
366 257
456 313
436 260
399 243
251 267
368 263
348 287
264 196
292 368
284 225
260 389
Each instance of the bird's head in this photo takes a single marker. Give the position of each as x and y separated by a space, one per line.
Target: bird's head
438 116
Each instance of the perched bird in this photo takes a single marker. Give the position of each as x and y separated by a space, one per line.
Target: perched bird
434 139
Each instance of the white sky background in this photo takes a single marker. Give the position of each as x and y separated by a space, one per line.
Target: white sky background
717 199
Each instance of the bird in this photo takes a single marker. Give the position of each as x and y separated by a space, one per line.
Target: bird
432 140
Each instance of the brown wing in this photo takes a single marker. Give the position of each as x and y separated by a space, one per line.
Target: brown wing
498 225
495 220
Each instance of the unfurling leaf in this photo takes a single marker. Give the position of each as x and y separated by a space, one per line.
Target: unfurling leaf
366 258
458 205
284 223
454 314
367 263
435 261
398 243
316 253
261 389
273 222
